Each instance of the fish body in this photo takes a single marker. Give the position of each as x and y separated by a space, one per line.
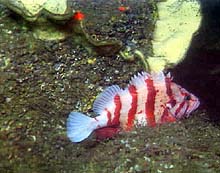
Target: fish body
148 100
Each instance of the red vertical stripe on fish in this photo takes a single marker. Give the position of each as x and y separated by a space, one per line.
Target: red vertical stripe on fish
179 108
117 102
166 117
169 92
133 109
109 116
187 107
149 106
168 87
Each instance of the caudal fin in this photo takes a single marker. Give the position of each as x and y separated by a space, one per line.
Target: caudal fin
79 126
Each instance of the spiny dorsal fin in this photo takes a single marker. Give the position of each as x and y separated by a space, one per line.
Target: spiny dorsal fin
105 97
168 75
158 77
139 79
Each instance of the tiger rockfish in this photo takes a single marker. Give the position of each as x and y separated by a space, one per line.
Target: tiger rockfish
149 99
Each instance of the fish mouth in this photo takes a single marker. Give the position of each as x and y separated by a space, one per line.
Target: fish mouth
194 107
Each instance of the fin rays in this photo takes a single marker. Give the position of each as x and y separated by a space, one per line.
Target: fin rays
104 98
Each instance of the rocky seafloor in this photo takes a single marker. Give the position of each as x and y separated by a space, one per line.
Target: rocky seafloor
41 82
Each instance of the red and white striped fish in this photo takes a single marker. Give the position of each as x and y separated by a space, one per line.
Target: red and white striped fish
149 99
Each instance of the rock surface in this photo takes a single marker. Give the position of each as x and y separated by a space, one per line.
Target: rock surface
31 10
39 13
178 21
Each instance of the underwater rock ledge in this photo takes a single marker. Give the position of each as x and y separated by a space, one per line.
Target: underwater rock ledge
177 22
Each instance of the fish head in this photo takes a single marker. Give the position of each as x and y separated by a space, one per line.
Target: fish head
182 102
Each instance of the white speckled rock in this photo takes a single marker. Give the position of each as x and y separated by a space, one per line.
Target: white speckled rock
39 11
31 10
178 21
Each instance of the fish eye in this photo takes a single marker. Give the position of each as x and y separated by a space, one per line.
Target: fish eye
187 97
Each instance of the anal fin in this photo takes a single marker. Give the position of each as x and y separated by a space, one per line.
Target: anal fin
106 132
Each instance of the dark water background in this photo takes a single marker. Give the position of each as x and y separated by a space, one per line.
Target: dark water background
200 70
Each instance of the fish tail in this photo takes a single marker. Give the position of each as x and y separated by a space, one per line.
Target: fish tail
79 126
